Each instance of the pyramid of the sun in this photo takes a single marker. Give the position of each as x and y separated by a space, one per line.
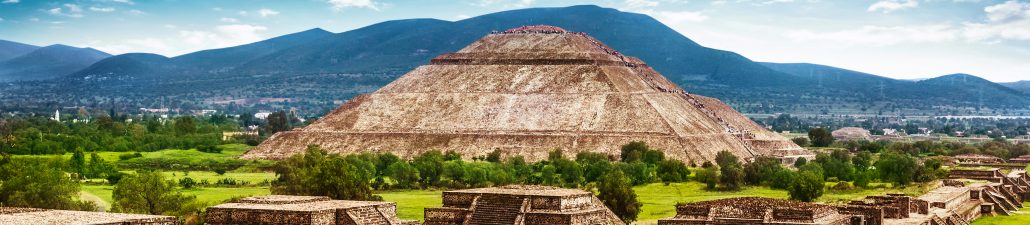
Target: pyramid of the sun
527 91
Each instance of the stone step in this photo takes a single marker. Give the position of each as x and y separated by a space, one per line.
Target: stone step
496 210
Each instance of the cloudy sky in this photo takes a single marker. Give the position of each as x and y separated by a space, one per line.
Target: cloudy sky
906 39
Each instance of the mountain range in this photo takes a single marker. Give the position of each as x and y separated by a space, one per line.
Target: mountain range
322 66
46 62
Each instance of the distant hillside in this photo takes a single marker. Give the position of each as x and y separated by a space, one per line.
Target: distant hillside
10 49
954 88
398 46
49 62
320 69
1023 86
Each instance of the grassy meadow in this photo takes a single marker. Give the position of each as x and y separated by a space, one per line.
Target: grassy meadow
658 199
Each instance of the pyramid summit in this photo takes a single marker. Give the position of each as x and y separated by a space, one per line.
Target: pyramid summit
527 91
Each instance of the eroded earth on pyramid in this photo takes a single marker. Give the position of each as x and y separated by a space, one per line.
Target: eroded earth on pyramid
528 91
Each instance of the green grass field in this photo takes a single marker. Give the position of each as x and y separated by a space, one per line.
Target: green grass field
410 204
254 178
1021 217
210 196
229 151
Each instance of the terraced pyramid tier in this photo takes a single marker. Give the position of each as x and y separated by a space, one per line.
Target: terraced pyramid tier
527 91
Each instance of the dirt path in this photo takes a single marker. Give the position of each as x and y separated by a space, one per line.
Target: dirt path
86 196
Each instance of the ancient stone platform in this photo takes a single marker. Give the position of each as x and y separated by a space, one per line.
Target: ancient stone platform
755 210
975 193
520 205
528 91
303 210
31 216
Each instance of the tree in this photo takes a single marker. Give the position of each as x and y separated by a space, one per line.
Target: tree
277 122
187 182
761 170
98 168
800 162
148 192
807 187
800 141
617 193
896 167
820 137
731 174
709 176
320 174
571 172
404 174
782 179
731 177
184 125
38 184
430 166
78 163
837 164
863 160
634 151
673 171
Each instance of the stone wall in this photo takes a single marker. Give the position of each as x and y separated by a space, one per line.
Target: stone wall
520 205
303 210
32 216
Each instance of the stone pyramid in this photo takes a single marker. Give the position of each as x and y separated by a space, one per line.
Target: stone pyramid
527 91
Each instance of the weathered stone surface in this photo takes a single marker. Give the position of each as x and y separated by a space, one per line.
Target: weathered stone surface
521 205
528 92
303 210
30 216
755 210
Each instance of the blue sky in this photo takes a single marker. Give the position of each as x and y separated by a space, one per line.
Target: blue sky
907 39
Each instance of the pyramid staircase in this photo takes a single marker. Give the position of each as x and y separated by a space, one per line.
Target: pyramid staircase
372 216
1002 205
496 210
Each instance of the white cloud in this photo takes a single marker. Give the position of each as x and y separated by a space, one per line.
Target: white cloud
222 36
60 11
10 1
267 12
887 6
1008 11
73 7
130 2
171 26
639 4
677 17
228 20
1005 21
504 3
1 19
135 12
99 9
133 45
339 5
880 35
217 8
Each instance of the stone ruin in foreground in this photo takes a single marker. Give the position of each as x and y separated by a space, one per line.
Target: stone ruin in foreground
971 194
31 216
303 210
521 205
527 91
754 210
